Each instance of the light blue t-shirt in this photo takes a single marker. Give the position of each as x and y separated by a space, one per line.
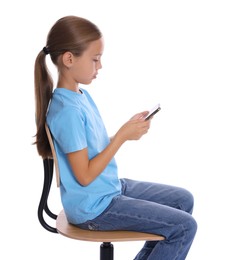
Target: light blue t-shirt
75 124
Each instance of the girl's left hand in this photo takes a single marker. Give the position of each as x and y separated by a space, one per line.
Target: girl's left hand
140 115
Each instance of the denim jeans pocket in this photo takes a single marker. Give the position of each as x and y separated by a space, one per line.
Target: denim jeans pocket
95 224
89 225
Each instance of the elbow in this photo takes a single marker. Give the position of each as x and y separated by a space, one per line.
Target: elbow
84 181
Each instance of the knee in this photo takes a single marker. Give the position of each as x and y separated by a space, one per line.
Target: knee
187 201
188 226
185 228
191 227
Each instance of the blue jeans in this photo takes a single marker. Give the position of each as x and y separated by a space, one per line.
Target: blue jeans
152 208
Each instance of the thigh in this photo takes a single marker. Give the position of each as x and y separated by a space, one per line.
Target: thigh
168 195
125 213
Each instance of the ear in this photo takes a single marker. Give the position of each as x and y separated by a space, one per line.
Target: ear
68 59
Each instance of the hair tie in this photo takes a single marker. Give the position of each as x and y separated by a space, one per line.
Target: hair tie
46 50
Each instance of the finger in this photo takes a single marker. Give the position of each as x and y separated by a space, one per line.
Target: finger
140 115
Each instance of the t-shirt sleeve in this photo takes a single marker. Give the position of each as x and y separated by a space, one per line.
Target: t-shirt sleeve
68 130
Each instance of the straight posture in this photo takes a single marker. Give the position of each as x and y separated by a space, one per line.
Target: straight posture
92 195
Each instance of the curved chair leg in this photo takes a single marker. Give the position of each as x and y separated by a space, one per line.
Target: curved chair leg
49 177
48 174
106 251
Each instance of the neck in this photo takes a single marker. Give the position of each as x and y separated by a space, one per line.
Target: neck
68 83
69 86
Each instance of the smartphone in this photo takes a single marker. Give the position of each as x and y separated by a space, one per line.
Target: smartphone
153 111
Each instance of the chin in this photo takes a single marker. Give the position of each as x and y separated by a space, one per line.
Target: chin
86 83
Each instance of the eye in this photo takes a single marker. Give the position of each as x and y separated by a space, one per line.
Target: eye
96 58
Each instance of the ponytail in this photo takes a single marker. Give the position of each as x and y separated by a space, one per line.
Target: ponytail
43 92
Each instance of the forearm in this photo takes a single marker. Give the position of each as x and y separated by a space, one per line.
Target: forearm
85 169
100 162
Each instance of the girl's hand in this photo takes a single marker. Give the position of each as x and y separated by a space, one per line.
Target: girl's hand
141 115
135 128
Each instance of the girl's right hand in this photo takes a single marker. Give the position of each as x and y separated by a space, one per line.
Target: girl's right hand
135 128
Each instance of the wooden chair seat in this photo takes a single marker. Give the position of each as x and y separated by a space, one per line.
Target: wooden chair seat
71 231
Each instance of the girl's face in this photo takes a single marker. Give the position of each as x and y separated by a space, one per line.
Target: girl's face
85 68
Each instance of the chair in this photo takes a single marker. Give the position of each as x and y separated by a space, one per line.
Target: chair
63 227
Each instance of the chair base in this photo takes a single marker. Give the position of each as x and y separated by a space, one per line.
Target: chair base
106 251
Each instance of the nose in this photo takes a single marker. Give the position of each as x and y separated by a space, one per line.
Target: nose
99 65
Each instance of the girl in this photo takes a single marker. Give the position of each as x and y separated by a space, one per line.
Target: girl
92 195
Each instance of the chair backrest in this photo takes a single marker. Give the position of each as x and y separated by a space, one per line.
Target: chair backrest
49 135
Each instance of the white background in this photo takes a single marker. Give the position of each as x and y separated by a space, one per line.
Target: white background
172 52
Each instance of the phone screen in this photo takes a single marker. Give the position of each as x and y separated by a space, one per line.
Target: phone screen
153 111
